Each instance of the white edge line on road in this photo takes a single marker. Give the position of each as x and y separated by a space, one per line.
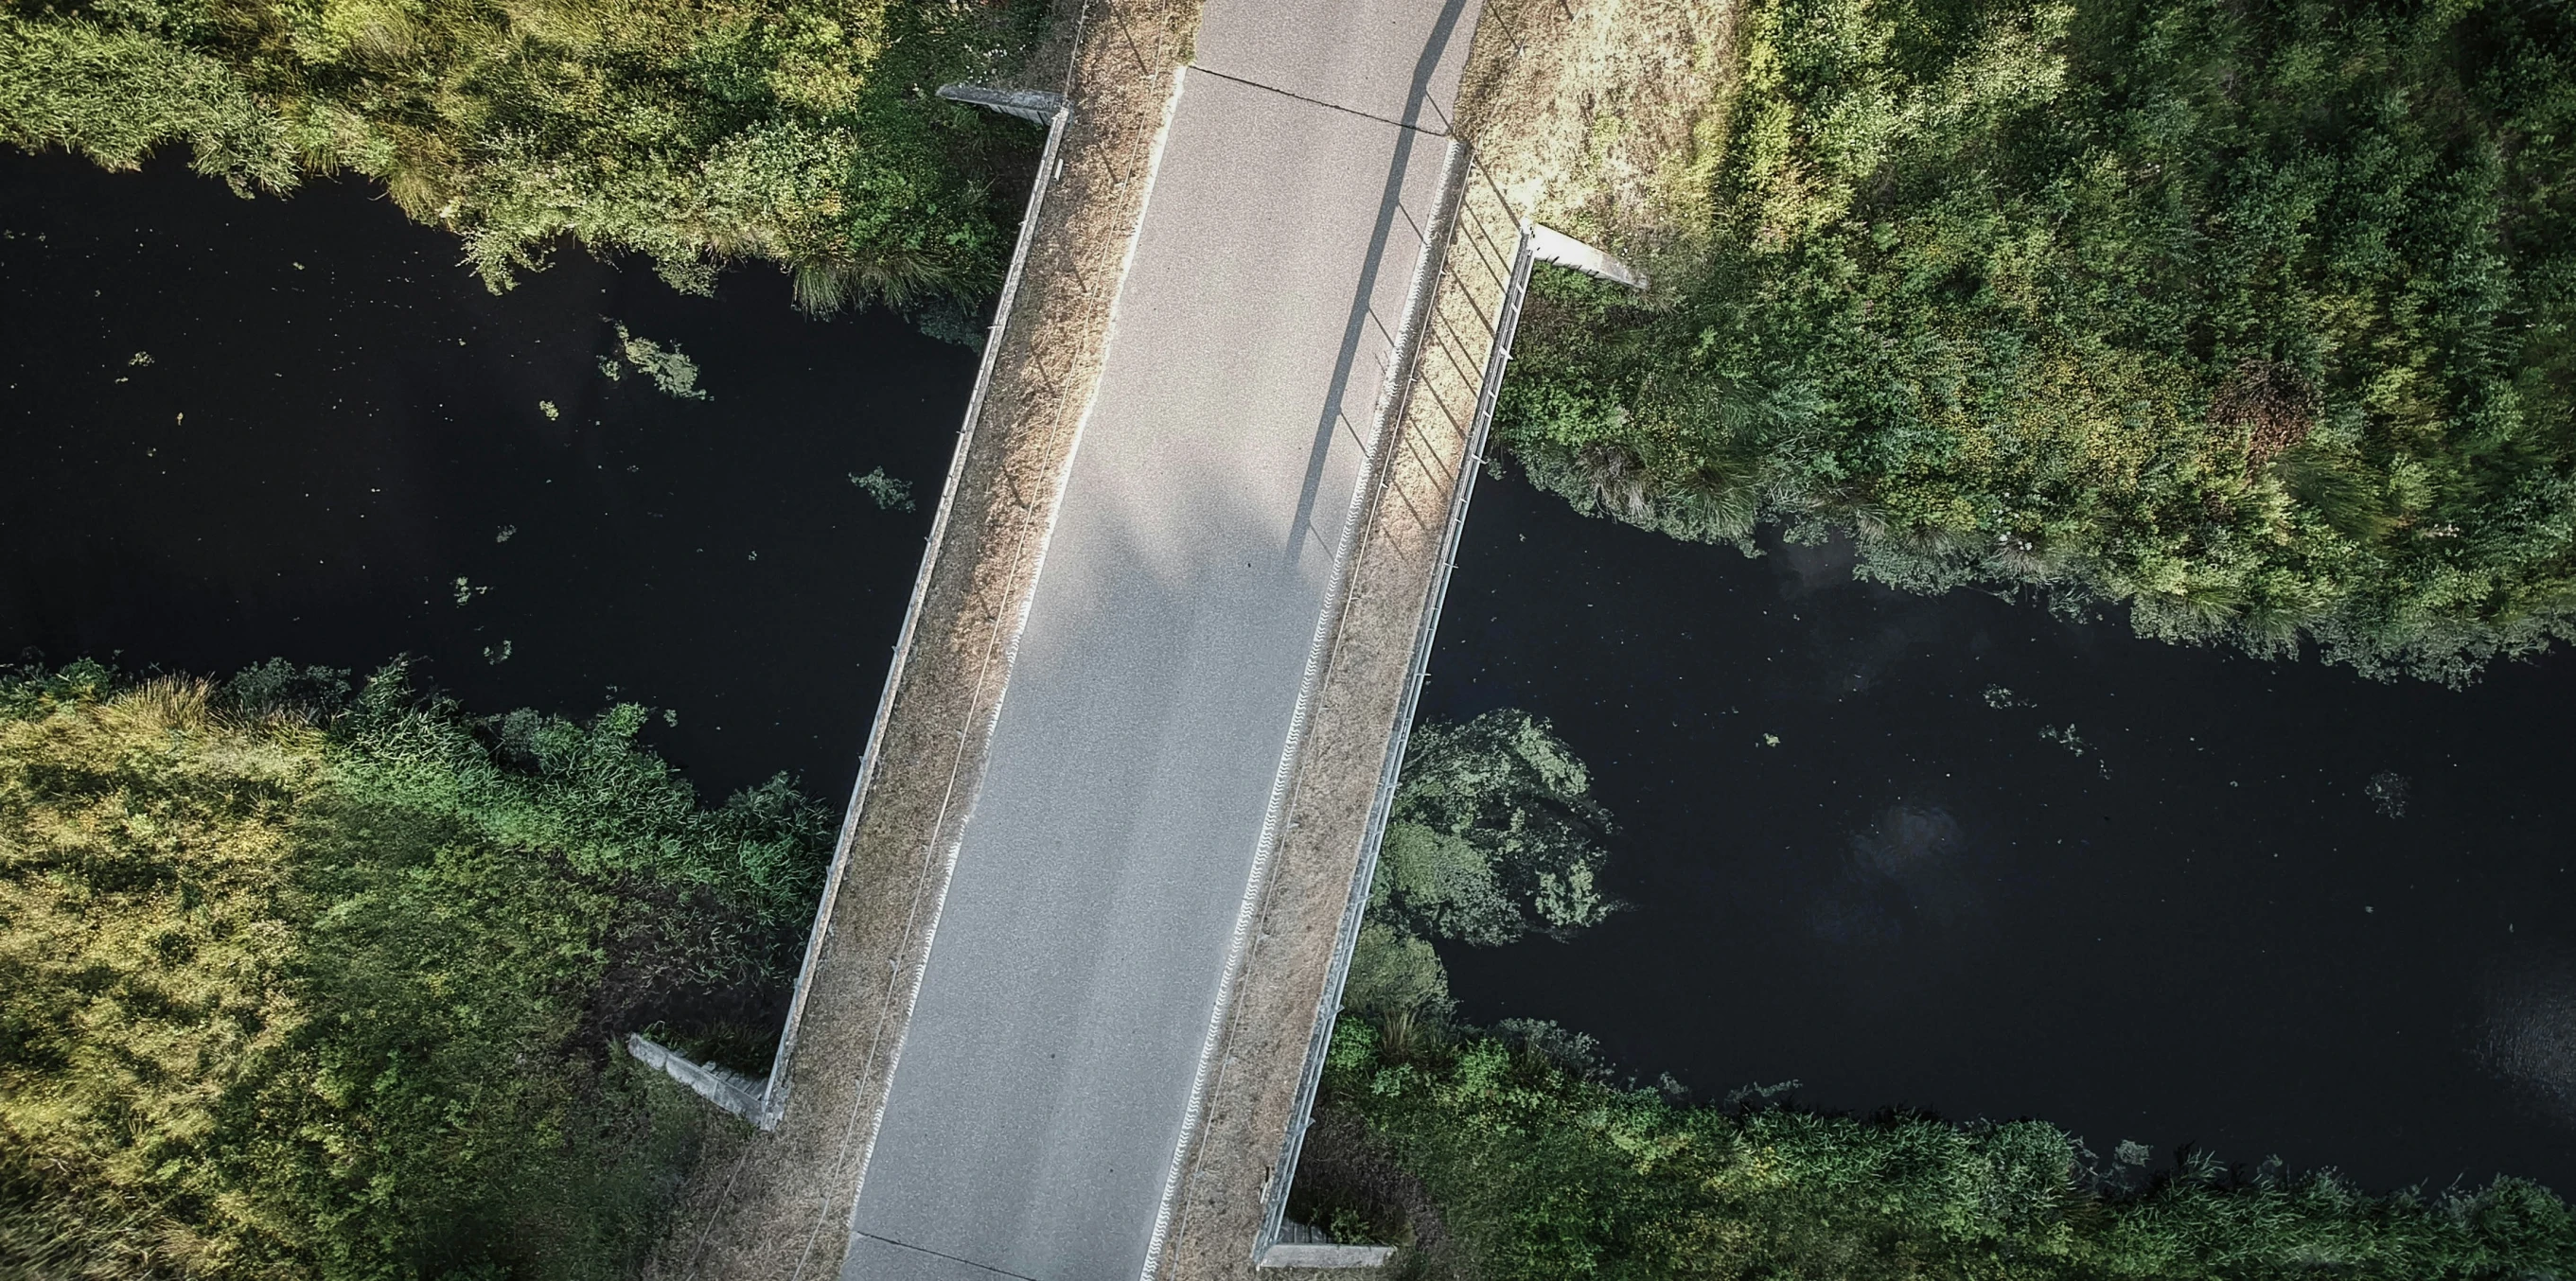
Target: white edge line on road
773 1102
1326 623
1009 656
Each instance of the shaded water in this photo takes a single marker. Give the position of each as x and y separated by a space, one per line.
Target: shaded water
336 424
2001 865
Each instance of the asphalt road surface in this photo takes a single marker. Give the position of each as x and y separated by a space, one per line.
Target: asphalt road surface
1045 1082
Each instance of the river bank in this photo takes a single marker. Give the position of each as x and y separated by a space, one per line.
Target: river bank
1958 854
300 427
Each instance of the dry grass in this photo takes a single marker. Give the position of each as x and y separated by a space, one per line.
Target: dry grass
1307 886
1603 118
768 1206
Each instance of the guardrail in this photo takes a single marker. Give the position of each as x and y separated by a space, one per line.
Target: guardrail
1053 111
1281 1243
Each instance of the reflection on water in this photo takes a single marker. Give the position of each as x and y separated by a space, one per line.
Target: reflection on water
2528 1030
1908 871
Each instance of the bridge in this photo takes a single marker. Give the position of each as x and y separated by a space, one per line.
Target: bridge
1083 941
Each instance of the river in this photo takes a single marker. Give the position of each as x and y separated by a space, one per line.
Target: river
297 427
1950 853
1956 854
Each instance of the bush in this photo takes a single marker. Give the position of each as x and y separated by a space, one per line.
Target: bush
2252 317
298 986
1529 1166
801 132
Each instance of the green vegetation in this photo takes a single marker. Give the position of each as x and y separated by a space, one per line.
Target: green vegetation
296 984
671 371
2251 316
800 132
887 492
1510 1153
1494 835
1508 1159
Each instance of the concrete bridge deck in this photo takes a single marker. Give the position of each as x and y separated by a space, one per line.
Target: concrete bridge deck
1061 990
1056 1047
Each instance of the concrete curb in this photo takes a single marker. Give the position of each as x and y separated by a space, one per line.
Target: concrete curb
1548 245
773 1102
1036 106
731 1091
1325 1256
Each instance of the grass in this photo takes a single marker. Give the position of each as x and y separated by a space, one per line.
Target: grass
802 133
299 984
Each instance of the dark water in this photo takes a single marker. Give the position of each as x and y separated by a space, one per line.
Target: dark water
2204 929
337 423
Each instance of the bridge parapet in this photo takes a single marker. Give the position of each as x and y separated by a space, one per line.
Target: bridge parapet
1231 1214
776 1206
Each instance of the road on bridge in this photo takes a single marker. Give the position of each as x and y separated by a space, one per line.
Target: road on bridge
1055 1053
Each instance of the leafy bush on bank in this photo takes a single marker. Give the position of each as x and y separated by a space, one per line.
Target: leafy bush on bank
1516 1161
800 132
294 984
2252 317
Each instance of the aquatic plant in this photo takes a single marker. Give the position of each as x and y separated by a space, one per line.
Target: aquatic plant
1493 835
888 493
1512 1162
798 132
2251 318
672 372
301 984
2388 791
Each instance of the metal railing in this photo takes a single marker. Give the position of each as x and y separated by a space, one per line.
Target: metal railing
1504 324
773 1097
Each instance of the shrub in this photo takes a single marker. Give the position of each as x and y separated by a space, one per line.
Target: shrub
1531 1167
2251 317
296 986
